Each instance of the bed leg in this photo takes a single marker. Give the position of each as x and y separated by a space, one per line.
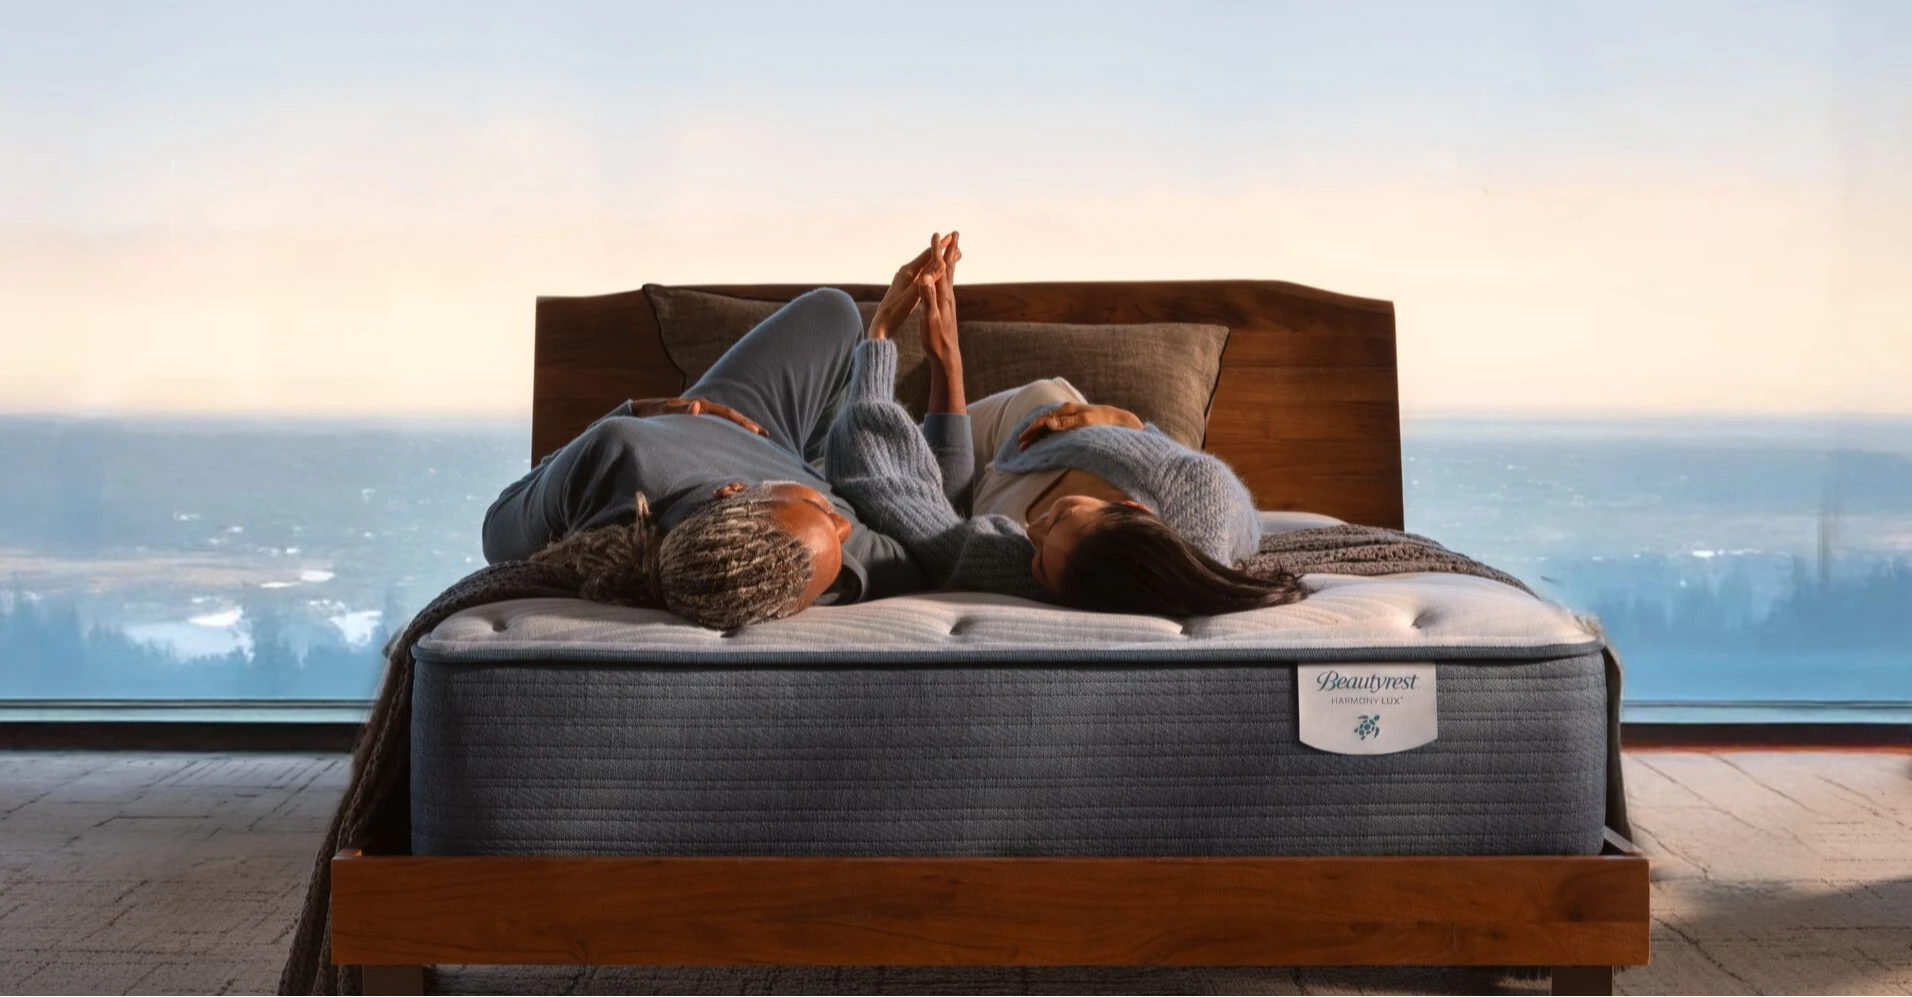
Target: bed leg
1576 980
394 979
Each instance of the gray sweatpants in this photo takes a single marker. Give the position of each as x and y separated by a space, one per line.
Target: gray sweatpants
788 374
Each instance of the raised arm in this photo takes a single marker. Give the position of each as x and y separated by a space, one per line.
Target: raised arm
946 425
936 287
879 461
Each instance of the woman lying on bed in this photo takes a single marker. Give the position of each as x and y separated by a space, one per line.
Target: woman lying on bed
1082 502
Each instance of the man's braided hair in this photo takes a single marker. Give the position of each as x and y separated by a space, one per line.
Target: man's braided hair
729 564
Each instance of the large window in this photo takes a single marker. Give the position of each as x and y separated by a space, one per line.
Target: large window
266 279
1732 561
173 558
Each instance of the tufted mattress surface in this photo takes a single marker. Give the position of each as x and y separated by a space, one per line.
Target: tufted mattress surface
1433 616
963 724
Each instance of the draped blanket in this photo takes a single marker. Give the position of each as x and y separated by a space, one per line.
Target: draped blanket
1363 550
375 813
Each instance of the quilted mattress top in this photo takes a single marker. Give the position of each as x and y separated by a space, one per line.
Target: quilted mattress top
1396 617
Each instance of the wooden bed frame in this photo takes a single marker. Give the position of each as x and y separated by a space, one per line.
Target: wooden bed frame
1307 412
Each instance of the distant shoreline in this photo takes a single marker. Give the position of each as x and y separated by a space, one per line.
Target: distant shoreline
1892 434
508 419
280 422
1817 431
1825 432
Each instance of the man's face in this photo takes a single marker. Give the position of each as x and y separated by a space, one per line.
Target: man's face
808 516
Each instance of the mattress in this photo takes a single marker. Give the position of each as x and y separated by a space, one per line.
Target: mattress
967 724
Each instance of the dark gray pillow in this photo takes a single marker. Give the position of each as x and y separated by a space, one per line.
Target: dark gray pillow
1164 372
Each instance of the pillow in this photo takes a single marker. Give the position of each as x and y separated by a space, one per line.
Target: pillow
1273 521
1164 372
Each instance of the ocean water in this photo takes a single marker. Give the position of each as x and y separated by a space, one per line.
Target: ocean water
1731 561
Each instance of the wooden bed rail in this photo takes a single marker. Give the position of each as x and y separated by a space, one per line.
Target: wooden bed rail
1578 914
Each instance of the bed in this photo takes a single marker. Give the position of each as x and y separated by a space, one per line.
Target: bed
955 778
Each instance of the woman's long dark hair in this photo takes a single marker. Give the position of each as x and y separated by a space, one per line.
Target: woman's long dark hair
1130 561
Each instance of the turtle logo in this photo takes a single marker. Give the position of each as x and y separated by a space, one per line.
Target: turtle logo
1370 726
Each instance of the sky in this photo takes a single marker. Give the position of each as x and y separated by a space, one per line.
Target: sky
345 208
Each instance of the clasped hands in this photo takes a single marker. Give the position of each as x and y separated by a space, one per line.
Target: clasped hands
930 280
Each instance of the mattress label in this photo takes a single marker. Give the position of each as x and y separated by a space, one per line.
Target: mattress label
1366 708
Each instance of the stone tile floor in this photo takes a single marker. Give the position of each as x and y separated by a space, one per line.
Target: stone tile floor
1775 872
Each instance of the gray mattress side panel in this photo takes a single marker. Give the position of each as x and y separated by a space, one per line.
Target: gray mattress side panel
1032 760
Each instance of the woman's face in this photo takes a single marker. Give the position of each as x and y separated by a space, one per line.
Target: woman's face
1056 532
808 516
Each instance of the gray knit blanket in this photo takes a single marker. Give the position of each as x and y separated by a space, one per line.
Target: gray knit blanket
1362 550
375 813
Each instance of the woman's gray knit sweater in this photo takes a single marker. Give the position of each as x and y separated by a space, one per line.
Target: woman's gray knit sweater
878 460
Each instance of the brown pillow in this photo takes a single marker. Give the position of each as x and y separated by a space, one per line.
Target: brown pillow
1164 372
698 326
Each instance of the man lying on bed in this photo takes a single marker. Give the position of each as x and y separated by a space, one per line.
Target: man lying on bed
1082 503
751 530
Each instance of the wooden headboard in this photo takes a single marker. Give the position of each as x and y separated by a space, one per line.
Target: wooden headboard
1307 409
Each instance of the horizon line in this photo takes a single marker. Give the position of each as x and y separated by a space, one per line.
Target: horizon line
497 415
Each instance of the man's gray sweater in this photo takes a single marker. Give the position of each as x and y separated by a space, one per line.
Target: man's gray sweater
881 462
